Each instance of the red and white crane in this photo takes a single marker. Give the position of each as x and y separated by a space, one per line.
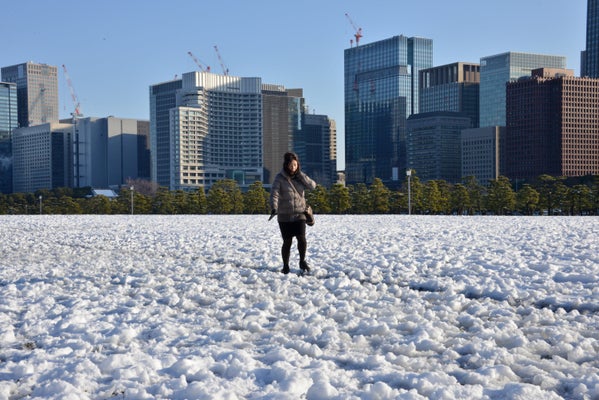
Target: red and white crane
76 113
199 64
225 69
357 31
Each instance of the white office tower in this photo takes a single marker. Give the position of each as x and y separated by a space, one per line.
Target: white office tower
216 131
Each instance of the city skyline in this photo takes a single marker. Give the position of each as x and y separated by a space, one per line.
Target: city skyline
114 52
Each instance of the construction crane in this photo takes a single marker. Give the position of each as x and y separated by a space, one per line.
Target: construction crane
225 69
77 112
358 31
77 141
199 64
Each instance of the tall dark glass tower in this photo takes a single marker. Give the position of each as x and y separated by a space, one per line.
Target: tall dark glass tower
381 92
590 57
8 122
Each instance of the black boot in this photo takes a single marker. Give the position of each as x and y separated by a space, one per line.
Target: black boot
304 267
285 269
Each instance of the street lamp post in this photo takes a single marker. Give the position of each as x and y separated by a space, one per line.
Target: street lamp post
132 200
409 175
40 204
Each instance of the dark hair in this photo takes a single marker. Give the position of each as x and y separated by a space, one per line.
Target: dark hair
287 158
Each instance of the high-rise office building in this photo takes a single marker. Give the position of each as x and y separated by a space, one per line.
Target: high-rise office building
224 127
453 87
216 131
480 153
316 148
589 65
287 126
37 92
496 71
434 144
281 114
42 157
189 148
143 150
381 92
333 150
552 126
163 97
8 122
110 151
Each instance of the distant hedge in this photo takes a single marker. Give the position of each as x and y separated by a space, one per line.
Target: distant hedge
547 195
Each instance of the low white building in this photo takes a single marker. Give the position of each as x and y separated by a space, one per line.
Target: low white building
95 152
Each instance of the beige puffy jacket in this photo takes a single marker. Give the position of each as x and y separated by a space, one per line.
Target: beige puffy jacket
290 204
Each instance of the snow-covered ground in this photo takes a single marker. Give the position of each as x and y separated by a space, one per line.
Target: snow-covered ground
193 307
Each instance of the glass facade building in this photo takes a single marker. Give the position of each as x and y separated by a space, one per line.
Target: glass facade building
480 153
434 144
8 122
318 148
381 92
453 87
496 71
590 57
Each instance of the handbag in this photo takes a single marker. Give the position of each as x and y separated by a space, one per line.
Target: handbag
309 216
308 211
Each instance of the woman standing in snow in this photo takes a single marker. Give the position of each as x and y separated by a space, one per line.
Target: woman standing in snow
287 201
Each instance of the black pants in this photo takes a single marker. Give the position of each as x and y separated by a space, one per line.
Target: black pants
288 231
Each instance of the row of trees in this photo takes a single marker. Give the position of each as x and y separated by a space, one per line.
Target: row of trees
548 194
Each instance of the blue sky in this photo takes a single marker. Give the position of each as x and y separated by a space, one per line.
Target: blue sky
115 49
